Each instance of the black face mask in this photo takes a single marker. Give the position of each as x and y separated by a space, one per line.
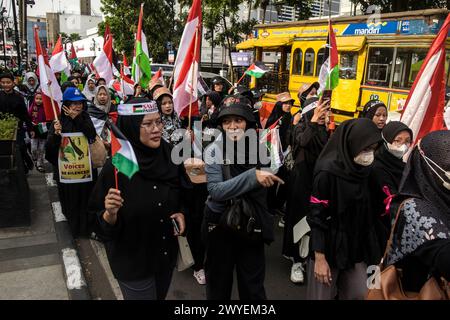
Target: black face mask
427 170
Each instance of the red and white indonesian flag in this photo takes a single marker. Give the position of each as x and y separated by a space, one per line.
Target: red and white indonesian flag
58 61
186 64
103 63
126 85
49 85
424 108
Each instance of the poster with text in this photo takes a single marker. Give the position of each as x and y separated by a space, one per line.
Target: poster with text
74 160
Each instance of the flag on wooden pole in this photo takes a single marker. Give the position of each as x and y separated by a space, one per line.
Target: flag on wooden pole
186 64
424 108
51 92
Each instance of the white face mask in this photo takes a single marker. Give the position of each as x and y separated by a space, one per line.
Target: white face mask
398 152
365 158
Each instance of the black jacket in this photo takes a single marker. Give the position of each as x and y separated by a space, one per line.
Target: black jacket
142 241
13 103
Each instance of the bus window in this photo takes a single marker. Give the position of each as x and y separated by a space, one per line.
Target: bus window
309 62
379 66
297 63
320 60
407 66
348 65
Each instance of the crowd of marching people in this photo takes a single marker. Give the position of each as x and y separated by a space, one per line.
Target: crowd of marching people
337 196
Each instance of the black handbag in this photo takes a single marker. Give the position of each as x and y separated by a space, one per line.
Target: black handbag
240 214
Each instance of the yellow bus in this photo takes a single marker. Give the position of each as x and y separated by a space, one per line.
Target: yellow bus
379 57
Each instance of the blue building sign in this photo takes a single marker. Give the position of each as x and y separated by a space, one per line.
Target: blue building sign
411 27
363 29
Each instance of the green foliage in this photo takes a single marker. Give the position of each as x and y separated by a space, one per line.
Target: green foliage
8 126
72 37
223 16
400 5
303 6
160 25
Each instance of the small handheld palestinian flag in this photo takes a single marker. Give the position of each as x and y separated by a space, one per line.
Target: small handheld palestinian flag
255 71
329 72
122 153
42 127
270 137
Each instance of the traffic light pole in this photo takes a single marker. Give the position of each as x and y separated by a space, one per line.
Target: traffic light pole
16 34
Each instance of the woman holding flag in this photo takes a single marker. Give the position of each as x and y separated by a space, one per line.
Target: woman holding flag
137 207
74 194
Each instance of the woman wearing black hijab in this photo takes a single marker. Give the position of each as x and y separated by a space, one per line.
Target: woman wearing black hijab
388 167
135 220
227 249
344 238
421 242
277 195
308 139
376 111
73 196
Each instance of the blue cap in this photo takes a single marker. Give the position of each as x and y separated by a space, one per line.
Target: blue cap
73 94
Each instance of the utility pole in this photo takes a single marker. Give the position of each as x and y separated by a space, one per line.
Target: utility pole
3 35
23 29
25 33
16 33
212 48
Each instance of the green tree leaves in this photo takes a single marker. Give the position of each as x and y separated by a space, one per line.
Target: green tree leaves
160 25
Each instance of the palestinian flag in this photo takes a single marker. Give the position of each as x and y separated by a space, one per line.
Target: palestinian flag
329 72
255 71
270 137
98 117
142 72
122 153
42 127
73 56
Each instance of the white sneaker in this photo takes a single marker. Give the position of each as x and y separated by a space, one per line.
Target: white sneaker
297 273
281 222
200 276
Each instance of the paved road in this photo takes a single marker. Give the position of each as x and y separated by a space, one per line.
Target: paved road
31 266
184 286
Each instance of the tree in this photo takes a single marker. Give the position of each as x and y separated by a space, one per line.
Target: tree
74 37
224 17
401 5
70 38
160 25
302 6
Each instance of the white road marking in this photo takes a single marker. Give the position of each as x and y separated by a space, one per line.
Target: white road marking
75 279
57 212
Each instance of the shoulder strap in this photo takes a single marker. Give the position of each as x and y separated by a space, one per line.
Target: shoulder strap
391 237
226 172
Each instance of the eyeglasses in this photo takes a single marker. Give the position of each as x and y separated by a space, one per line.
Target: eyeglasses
152 124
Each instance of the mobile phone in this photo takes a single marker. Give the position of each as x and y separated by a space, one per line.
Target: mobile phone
175 226
326 95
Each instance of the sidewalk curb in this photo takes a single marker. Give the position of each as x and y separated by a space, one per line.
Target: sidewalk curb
73 272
